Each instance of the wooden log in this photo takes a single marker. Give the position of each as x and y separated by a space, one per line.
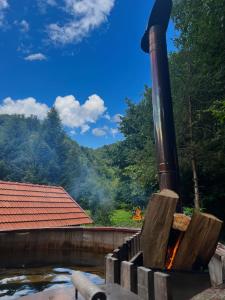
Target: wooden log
86 288
129 276
199 241
162 286
181 222
145 283
209 243
156 229
112 270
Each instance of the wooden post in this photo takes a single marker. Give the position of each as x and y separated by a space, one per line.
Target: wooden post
162 286
156 228
129 276
217 270
145 283
112 270
199 241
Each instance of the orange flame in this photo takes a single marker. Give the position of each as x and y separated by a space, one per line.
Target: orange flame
174 252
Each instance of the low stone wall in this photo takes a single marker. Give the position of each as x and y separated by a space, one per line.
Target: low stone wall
69 245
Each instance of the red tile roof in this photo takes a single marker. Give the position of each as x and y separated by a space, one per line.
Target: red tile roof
32 206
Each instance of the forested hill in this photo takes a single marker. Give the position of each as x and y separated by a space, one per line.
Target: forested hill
124 174
41 152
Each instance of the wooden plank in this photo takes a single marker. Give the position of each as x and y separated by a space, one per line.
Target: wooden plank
112 270
129 276
145 283
217 270
202 232
156 229
162 286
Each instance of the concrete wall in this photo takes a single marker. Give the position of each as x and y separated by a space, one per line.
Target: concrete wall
69 245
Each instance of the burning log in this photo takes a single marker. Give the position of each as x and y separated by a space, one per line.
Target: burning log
199 242
156 228
175 241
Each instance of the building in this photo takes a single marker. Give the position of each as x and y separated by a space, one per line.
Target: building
32 206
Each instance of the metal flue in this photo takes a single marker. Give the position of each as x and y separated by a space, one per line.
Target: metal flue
154 43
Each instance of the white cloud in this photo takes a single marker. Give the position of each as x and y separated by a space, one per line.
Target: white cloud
24 26
85 128
99 131
75 115
3 6
105 131
85 15
43 4
28 106
114 131
36 56
117 118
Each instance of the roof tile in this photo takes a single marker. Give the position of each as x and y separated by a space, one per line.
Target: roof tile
31 206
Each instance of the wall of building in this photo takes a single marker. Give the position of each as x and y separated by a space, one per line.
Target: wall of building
69 245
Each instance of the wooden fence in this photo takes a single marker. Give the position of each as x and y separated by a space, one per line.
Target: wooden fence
125 267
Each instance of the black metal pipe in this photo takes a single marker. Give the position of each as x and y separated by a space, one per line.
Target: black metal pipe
162 111
154 43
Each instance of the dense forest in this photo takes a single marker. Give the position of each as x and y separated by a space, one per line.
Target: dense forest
124 174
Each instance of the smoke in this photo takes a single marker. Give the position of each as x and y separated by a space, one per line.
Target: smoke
94 191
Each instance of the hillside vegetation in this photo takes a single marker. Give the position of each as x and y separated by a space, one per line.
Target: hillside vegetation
123 175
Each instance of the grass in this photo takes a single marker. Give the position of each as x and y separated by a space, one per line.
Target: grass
123 218
120 218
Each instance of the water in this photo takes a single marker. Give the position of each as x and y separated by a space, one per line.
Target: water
15 283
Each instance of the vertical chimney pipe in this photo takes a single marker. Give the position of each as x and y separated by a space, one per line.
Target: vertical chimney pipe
167 162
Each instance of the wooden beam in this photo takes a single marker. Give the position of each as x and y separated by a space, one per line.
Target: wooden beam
162 286
145 283
129 276
156 229
112 270
199 241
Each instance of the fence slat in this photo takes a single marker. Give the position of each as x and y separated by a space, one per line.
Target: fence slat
112 270
145 283
129 276
162 286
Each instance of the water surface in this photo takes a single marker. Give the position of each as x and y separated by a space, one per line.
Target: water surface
15 283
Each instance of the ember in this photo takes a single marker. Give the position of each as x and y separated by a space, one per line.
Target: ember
172 251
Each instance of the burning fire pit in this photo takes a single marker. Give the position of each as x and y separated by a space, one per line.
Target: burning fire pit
174 241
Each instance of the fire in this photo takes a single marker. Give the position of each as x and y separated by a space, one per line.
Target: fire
137 215
173 252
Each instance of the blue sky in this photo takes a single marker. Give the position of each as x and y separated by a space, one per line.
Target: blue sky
83 56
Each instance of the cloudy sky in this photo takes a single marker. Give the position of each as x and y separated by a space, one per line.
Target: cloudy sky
82 56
